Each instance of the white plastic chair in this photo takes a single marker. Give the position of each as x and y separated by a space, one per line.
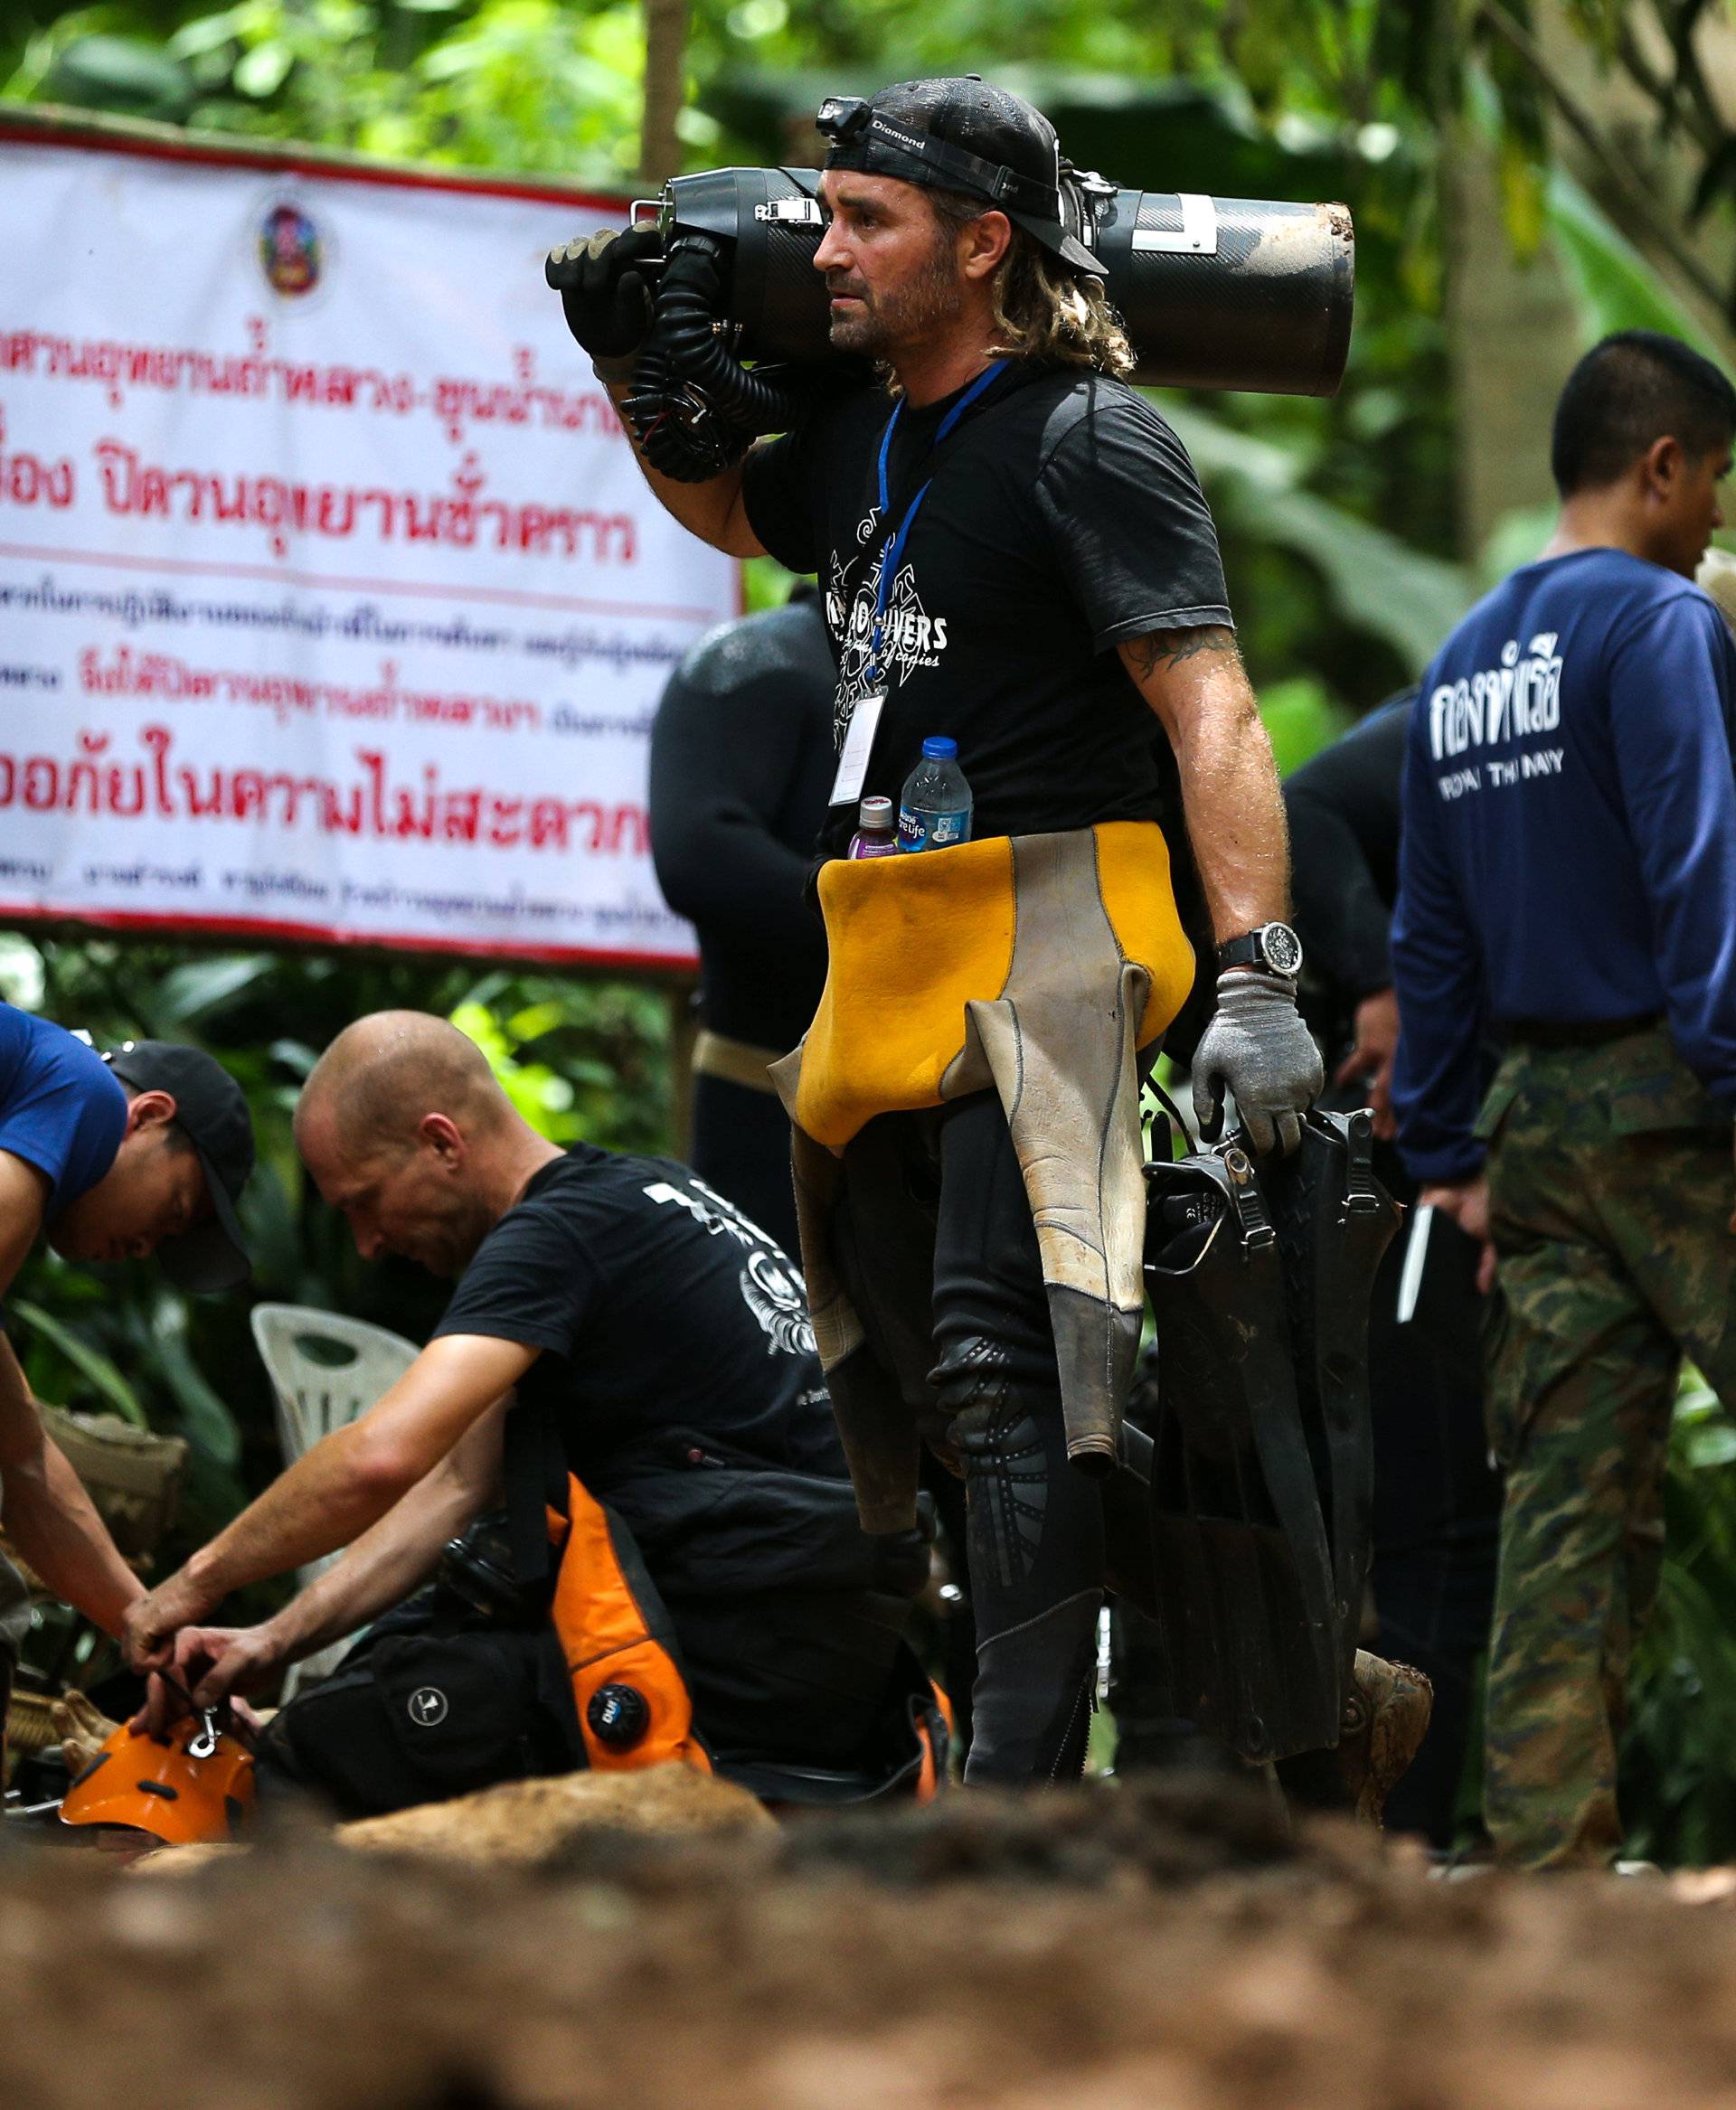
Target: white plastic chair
325 1370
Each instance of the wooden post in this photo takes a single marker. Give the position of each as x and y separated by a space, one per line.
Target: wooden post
683 1031
665 47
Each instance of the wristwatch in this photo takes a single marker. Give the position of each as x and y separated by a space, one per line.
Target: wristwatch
1274 946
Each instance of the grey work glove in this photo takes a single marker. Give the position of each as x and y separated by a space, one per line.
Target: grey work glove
1259 1049
605 293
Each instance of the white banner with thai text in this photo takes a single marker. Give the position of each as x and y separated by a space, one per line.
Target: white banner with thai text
332 605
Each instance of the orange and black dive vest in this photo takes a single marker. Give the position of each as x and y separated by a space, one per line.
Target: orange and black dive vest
619 1658
629 1695
628 1692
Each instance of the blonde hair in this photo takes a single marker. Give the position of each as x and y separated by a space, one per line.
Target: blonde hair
1041 310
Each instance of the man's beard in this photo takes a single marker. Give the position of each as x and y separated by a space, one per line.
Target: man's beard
886 323
445 1245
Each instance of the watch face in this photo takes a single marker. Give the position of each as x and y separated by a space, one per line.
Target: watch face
1282 948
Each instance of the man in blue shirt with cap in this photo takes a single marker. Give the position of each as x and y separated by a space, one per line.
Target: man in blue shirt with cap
110 1157
1568 877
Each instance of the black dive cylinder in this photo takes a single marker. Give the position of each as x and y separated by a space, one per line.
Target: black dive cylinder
1215 293
1230 293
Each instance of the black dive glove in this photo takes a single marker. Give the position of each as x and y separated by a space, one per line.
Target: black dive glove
605 294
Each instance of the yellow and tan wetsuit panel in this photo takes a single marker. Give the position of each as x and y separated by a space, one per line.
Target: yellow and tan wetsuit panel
1038 965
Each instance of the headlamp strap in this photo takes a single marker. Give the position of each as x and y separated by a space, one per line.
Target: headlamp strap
969 171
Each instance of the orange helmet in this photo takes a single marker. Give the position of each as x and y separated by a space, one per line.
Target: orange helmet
162 1788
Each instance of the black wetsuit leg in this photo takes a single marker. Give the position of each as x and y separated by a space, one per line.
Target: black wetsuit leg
1034 1525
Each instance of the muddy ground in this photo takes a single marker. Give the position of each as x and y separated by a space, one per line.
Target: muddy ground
1169 1948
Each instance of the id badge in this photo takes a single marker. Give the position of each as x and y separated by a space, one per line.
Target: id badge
858 745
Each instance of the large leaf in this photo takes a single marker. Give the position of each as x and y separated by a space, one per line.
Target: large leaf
1376 581
201 987
121 73
102 1372
206 1421
294 1056
268 1218
1616 288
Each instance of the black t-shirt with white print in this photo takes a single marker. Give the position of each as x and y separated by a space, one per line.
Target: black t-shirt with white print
1062 519
668 1323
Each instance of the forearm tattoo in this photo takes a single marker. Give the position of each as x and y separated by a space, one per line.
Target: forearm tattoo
1168 648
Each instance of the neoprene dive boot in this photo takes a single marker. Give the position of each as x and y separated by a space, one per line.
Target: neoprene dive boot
1033 1533
1030 1711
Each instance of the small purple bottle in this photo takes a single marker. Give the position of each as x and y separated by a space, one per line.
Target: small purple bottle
876 833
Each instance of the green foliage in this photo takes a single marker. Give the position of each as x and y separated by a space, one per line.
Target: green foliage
1678 1785
519 83
1615 288
96 1369
582 1063
1301 719
1376 583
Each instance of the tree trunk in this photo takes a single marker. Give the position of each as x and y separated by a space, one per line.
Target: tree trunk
1513 333
1660 172
666 46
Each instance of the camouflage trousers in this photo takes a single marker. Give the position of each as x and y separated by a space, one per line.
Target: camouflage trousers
1610 1189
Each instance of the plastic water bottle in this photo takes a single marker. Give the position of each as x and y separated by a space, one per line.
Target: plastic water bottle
934 812
877 833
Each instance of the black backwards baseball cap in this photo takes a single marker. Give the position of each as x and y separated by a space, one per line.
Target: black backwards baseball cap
959 134
210 1107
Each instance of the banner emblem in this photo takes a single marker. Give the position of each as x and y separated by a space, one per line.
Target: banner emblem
290 251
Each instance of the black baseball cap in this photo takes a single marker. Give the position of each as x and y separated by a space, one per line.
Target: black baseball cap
959 134
210 1107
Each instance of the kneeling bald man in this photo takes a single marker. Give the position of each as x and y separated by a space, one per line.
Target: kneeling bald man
614 1321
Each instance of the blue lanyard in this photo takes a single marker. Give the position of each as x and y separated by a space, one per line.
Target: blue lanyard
891 555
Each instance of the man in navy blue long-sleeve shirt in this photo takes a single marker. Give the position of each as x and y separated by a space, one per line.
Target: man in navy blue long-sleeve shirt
1568 878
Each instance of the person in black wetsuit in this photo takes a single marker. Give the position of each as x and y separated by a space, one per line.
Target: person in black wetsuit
741 761
1436 1502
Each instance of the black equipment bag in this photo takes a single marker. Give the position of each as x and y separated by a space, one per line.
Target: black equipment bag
434 1701
1259 1463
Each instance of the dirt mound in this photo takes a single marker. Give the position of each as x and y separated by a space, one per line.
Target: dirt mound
1160 1831
532 1822
1111 1952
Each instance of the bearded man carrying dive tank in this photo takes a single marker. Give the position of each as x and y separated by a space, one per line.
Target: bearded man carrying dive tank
1015 552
